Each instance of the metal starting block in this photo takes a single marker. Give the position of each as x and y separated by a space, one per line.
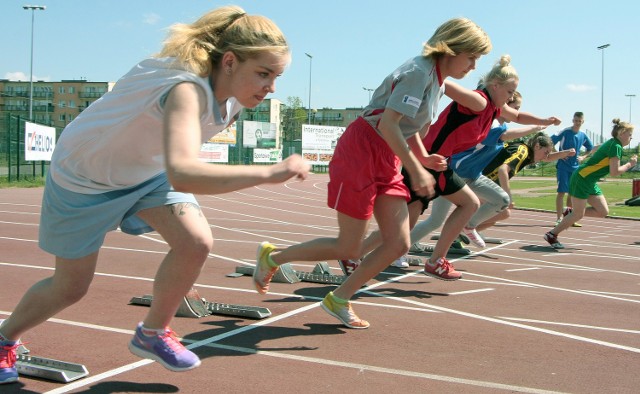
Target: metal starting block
46 368
194 306
455 248
286 274
321 274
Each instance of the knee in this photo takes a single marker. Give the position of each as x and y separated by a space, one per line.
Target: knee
69 294
603 212
474 204
195 249
399 246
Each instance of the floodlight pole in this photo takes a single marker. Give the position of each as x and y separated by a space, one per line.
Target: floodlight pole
368 90
309 110
630 97
33 9
602 48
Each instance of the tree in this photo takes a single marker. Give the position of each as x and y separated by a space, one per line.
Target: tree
293 116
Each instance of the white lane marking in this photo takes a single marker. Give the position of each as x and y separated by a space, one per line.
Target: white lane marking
553 323
469 291
523 269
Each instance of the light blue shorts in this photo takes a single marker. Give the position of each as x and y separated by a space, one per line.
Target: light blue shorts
73 225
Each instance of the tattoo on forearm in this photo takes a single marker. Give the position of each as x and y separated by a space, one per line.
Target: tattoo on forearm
181 208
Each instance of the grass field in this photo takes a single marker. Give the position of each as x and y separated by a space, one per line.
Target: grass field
541 194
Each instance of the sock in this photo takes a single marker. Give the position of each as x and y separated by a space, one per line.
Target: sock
270 262
338 299
150 332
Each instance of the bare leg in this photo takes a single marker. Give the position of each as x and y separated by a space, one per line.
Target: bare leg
49 296
504 215
348 245
393 220
188 234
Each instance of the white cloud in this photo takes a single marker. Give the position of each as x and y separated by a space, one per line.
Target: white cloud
580 88
151 19
16 76
20 76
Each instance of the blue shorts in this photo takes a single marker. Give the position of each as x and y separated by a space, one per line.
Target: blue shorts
563 176
73 225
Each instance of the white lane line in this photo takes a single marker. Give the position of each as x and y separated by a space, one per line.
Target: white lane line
609 293
523 269
469 291
570 325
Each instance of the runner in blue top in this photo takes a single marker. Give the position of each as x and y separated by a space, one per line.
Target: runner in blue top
569 138
468 165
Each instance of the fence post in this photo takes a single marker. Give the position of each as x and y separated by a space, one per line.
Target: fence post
18 149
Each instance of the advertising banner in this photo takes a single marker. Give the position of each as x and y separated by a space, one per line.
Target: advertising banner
318 143
263 135
39 142
214 153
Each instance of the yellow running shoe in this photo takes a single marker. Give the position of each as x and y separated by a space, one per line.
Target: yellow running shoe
264 270
342 312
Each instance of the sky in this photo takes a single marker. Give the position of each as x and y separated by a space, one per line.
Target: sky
354 44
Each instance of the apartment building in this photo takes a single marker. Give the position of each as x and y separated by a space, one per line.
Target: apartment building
54 103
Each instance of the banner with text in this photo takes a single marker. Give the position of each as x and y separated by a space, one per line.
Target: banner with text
214 153
318 142
39 142
267 155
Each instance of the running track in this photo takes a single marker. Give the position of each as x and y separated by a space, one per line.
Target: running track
524 318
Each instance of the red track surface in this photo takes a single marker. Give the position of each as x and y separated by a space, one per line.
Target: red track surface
524 318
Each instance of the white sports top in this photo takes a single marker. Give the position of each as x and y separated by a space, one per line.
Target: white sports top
117 141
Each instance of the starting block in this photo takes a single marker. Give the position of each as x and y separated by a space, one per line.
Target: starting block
194 306
321 274
455 248
286 274
46 368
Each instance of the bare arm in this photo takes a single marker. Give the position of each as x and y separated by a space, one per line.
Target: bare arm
616 169
422 181
522 117
560 155
503 178
465 97
512 134
182 141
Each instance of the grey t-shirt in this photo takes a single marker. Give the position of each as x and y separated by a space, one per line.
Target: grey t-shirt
414 89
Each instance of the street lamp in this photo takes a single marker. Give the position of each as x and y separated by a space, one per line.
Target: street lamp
309 110
368 90
602 47
33 9
630 97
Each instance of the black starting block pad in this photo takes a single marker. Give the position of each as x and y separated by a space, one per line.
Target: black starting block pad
456 248
321 274
194 306
46 368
